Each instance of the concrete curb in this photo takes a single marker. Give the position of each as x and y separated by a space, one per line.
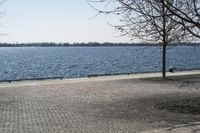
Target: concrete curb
98 78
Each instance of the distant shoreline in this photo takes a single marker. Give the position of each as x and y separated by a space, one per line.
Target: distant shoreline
91 44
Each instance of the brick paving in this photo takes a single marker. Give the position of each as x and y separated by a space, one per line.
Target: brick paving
184 128
122 106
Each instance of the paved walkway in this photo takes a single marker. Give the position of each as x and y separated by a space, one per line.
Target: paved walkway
100 78
97 105
184 128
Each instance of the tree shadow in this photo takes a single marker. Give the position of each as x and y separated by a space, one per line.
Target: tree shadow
148 110
190 127
185 106
182 82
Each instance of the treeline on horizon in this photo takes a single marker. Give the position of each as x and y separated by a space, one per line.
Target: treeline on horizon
90 44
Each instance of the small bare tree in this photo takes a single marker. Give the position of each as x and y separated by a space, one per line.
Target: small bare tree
147 20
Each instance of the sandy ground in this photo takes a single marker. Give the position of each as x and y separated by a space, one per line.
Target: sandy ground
121 104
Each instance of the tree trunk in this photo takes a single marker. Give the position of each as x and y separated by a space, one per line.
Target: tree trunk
164 40
164 61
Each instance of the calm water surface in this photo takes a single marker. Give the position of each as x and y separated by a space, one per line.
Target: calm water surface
38 62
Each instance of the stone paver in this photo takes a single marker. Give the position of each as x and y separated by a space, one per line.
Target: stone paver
184 128
115 106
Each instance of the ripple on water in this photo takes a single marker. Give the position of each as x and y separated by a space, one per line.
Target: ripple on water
29 62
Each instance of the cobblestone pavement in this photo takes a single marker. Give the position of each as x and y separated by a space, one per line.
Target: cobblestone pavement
184 128
118 106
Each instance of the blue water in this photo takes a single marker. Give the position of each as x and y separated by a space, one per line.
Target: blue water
40 62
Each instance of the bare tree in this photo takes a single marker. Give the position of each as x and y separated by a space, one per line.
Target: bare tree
188 14
147 20
2 14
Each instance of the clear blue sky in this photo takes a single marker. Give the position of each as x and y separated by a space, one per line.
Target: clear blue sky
55 21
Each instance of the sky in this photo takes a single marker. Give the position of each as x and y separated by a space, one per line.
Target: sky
55 21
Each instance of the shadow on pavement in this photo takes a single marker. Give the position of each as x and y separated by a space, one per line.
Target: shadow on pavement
188 128
184 128
149 110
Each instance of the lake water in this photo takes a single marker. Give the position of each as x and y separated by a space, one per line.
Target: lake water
68 62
